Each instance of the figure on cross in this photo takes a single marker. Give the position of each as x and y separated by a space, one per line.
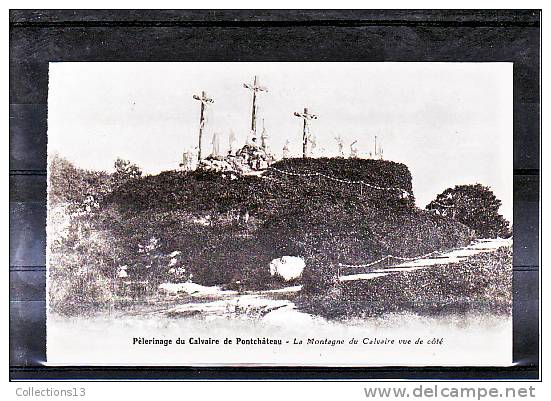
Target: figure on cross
306 117
255 88
205 100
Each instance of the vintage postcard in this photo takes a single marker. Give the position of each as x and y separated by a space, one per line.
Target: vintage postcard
267 213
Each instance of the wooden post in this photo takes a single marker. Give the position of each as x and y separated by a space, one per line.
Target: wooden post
304 138
204 101
201 126
253 113
255 87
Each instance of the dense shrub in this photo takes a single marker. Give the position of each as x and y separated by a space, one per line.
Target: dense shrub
482 283
82 266
382 173
77 189
476 206
323 222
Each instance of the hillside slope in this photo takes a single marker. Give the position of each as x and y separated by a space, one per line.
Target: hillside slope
227 230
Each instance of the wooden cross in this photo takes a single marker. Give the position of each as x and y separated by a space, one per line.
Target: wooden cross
205 100
255 87
306 116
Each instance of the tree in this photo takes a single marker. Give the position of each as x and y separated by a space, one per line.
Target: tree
476 206
125 171
77 189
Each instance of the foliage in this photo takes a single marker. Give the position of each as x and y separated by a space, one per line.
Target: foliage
476 206
84 252
78 189
381 173
479 284
125 171
216 230
82 266
202 214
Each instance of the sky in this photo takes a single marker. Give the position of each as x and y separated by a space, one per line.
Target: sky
450 123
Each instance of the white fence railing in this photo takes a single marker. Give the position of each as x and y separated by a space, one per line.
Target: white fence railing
403 193
340 266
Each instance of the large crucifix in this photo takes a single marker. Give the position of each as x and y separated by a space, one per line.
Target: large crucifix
255 87
205 100
306 117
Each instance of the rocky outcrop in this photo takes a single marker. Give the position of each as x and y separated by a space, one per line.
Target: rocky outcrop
248 158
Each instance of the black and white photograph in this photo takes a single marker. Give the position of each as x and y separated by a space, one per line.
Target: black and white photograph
280 213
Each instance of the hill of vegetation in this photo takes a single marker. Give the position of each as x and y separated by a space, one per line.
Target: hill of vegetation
221 229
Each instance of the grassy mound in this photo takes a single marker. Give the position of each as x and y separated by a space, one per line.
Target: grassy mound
480 284
217 230
382 173
324 221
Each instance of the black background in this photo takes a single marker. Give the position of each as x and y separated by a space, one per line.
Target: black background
38 37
